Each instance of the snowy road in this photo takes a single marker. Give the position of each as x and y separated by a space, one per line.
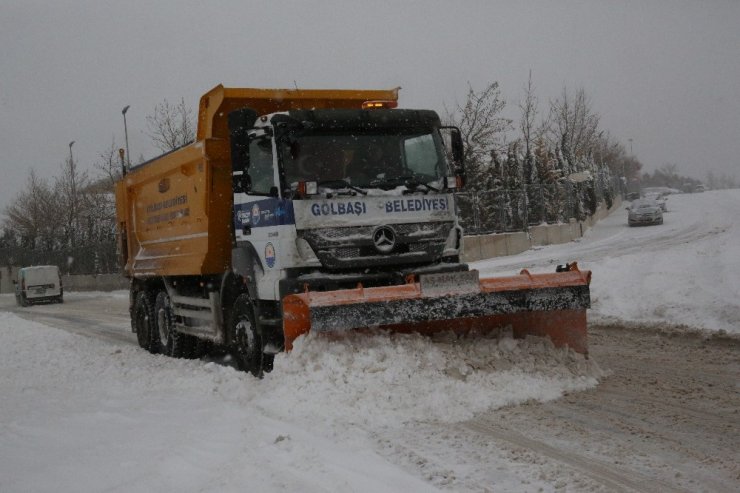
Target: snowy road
665 419
407 414
100 315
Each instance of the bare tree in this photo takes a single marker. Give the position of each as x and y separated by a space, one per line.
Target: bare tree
109 165
68 190
528 107
482 130
171 126
574 127
69 223
531 133
31 214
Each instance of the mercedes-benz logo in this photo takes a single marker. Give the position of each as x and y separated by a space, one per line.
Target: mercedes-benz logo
384 239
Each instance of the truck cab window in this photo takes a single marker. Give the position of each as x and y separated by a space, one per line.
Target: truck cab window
422 156
261 170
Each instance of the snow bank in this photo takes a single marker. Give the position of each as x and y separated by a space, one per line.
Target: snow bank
387 380
81 412
685 272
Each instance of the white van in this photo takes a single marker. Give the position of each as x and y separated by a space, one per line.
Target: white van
39 283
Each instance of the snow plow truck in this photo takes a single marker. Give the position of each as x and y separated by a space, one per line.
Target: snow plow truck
321 211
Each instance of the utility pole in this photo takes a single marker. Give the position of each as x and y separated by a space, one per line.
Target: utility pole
72 173
73 195
125 131
121 154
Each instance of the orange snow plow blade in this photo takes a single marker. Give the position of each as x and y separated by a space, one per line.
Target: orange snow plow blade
552 305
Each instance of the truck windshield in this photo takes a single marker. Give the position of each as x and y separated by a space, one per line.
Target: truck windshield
363 160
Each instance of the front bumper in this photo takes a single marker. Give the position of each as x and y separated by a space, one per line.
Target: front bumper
645 220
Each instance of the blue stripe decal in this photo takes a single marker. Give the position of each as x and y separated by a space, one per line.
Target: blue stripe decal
264 213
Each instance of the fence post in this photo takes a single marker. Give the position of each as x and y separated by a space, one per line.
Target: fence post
476 212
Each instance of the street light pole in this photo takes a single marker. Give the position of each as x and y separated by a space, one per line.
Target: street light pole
73 198
125 130
631 153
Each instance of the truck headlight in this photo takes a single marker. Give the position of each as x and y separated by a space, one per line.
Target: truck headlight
305 250
454 241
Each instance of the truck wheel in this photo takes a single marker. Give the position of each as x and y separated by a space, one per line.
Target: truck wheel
144 320
247 344
163 316
201 348
166 338
183 345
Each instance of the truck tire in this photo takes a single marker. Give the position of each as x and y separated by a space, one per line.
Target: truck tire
247 343
183 345
166 338
201 348
163 316
144 320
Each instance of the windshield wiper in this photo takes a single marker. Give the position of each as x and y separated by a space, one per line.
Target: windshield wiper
342 184
413 182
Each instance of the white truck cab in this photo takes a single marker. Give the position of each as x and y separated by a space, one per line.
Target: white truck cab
41 283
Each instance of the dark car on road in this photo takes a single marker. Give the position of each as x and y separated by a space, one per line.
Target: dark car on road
644 211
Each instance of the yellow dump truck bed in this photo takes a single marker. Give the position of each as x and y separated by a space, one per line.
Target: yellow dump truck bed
174 212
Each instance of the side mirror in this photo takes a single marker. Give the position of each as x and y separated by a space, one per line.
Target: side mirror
240 121
453 137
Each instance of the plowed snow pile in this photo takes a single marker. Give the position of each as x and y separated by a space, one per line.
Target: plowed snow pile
368 379
388 380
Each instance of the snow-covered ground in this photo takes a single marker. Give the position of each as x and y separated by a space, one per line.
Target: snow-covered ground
685 272
99 414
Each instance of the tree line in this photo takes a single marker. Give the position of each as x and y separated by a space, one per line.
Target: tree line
667 176
69 219
549 165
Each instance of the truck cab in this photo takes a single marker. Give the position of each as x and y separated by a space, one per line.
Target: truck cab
325 199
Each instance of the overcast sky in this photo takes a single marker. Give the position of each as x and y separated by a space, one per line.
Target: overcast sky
665 74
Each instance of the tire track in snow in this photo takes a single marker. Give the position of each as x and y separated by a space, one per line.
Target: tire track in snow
90 317
604 473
